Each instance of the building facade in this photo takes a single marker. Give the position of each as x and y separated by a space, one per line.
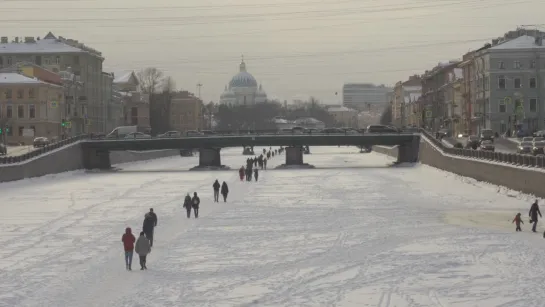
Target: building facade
243 89
133 104
344 116
58 54
30 104
405 94
186 113
365 96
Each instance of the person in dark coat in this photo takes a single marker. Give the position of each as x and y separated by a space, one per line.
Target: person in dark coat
256 174
142 248
265 163
195 202
241 173
188 205
534 211
148 227
216 187
224 191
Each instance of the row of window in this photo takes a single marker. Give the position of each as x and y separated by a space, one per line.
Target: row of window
517 82
21 111
503 107
517 64
20 94
19 130
47 60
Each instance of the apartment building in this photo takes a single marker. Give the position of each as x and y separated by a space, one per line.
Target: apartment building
405 94
507 90
365 96
30 104
59 54
453 99
186 112
133 103
344 116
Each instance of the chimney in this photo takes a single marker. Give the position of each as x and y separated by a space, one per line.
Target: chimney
29 39
4 40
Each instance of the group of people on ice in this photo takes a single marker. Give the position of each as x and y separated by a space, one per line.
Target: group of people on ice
142 245
533 214
253 163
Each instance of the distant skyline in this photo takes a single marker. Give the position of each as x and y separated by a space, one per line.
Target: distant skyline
295 49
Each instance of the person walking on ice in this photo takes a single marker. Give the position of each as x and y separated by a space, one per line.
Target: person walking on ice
534 211
256 174
142 248
188 205
241 173
196 201
517 220
150 222
216 187
224 191
128 244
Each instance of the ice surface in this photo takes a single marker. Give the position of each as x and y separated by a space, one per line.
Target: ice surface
352 232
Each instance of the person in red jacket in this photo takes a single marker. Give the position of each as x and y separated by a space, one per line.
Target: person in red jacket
517 220
128 240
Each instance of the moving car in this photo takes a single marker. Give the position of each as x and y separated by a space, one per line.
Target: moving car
170 134
487 145
441 134
473 142
41 142
538 148
381 129
487 135
137 135
525 147
191 133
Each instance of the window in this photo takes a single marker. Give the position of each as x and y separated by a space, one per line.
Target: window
517 65
9 111
47 61
8 93
20 94
38 60
76 59
533 83
33 129
503 128
501 65
31 93
31 111
21 111
533 64
486 83
21 128
501 82
518 83
58 60
10 60
134 111
533 105
502 107
1 61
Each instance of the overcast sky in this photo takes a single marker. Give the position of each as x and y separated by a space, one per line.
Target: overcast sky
294 48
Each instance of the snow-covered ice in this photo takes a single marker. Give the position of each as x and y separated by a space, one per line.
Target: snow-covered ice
352 232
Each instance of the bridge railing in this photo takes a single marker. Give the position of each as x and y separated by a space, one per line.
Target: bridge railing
491 156
41 150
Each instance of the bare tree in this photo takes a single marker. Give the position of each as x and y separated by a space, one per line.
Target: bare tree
168 85
150 79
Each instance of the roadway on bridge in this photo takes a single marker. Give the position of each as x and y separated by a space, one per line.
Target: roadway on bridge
352 232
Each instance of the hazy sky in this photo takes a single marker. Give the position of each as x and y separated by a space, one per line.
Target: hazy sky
294 48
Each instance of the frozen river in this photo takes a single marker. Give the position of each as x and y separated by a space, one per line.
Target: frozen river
352 232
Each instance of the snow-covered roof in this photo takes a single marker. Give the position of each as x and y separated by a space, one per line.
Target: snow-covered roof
38 46
521 42
14 78
412 88
340 109
123 76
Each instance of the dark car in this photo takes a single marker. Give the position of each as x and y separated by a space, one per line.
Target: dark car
443 133
381 129
170 134
487 145
538 148
487 135
473 142
41 142
525 147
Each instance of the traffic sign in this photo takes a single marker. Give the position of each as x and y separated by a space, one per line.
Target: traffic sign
54 104
508 100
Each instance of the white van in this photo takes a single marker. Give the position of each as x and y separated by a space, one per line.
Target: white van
121 132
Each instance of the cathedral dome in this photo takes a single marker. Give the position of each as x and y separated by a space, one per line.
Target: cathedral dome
243 78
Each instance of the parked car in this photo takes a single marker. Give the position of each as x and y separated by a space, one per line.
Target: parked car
332 130
540 133
487 145
3 150
137 135
41 142
186 152
487 135
170 134
538 148
473 142
525 147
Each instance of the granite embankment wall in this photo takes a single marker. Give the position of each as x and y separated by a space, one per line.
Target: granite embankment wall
69 158
523 179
